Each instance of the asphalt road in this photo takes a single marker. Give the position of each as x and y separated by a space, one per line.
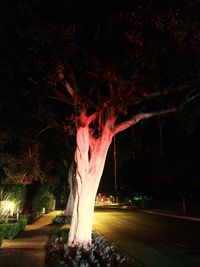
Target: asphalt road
153 240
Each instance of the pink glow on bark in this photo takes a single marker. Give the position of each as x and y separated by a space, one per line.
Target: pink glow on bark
88 174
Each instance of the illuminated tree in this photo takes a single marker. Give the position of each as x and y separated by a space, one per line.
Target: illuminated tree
141 70
95 129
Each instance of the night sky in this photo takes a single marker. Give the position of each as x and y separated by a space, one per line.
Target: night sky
148 46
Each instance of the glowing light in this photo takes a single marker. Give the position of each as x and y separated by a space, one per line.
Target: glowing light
7 207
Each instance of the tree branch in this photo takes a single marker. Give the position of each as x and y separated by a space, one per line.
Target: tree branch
67 86
44 130
91 118
69 89
192 97
125 125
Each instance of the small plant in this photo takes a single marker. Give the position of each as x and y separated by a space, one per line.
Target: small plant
62 219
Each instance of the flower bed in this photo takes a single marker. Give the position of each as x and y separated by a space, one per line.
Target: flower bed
100 253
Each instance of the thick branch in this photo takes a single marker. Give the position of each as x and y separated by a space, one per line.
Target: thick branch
125 125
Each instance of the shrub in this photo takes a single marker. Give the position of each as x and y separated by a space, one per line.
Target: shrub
2 230
43 199
23 222
27 217
12 228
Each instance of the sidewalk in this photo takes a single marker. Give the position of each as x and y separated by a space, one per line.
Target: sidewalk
28 248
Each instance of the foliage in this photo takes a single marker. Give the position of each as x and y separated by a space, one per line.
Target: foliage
12 229
43 199
1 238
23 222
20 161
26 217
100 254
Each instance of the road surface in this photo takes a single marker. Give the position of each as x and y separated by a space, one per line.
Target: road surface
153 240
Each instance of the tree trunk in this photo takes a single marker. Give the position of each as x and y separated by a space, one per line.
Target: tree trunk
89 170
71 182
81 226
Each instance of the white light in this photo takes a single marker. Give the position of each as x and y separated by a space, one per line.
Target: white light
7 207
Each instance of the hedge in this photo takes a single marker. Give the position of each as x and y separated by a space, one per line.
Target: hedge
10 230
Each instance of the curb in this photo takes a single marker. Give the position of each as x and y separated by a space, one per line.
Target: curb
172 215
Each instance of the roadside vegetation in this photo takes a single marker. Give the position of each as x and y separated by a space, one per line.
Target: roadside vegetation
100 254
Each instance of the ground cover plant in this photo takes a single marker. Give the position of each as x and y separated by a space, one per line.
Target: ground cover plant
99 254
